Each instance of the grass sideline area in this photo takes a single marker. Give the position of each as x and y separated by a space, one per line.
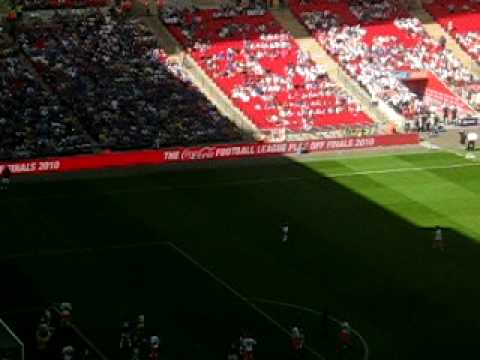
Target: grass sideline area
360 246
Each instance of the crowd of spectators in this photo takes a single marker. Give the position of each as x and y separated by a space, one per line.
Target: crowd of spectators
98 81
33 122
177 14
432 55
460 18
372 65
377 60
261 68
471 42
57 4
369 11
146 104
94 80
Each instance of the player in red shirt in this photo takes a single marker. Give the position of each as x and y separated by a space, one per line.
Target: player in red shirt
297 341
6 174
344 338
247 347
154 348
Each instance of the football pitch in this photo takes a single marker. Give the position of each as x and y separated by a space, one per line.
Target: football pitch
198 251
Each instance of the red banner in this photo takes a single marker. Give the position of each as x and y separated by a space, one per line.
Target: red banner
188 154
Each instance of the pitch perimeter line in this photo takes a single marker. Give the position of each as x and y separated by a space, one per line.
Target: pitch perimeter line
397 170
88 342
318 313
15 337
238 295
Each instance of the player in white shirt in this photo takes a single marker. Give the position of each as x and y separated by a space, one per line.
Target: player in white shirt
247 345
68 352
297 339
438 242
285 232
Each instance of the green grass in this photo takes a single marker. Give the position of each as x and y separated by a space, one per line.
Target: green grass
360 246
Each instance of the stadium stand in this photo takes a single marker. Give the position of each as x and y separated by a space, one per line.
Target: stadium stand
460 20
383 46
32 121
257 64
58 4
152 103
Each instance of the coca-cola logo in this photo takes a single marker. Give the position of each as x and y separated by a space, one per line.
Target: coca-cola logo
207 152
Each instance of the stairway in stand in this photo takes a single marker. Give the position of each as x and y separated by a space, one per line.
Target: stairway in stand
435 30
309 45
206 85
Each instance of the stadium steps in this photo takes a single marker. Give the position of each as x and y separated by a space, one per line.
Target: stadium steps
380 113
6 40
28 63
436 31
200 79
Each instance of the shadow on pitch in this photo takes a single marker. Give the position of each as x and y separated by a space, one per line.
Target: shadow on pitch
346 252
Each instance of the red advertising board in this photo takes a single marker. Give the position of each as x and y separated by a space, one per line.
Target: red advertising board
189 154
